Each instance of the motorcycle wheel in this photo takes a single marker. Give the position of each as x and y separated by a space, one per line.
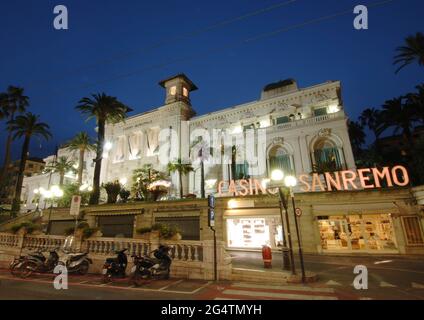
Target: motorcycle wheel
83 268
138 279
106 278
27 268
14 269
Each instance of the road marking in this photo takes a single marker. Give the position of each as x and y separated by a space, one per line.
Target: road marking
333 283
293 288
171 284
365 298
387 285
384 261
101 286
277 295
82 282
417 285
202 287
225 299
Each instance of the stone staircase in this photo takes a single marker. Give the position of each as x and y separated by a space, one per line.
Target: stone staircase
279 277
5 225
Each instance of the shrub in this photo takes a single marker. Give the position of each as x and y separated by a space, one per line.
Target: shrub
112 190
143 230
124 195
166 231
88 232
29 226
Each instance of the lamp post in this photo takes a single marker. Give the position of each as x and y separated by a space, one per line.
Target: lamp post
288 263
291 182
54 193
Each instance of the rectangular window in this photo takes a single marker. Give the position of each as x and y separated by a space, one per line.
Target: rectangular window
188 226
413 230
282 120
320 112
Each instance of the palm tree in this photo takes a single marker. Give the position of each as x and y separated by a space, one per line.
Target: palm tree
61 166
416 99
413 50
25 126
12 101
81 143
371 118
182 169
357 136
202 145
143 178
105 109
401 116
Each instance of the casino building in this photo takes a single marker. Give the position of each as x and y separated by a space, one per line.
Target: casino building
306 131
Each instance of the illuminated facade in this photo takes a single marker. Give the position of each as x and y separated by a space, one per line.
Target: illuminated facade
305 129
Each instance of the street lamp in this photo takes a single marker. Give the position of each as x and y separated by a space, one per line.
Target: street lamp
288 263
54 193
290 183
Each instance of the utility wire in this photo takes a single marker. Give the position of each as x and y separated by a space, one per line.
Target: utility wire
231 45
128 54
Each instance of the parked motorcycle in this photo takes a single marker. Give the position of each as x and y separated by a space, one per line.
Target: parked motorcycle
78 263
36 262
115 267
146 268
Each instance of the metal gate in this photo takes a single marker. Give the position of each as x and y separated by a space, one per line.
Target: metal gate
116 226
189 226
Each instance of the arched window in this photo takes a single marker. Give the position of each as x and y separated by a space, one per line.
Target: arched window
280 159
327 155
239 169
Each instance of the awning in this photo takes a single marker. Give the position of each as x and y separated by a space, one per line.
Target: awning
350 209
116 213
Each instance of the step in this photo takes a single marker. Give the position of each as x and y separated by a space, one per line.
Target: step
268 276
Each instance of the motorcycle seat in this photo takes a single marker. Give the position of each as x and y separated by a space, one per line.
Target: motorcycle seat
76 256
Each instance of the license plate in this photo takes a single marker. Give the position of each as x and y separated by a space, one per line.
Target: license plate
104 271
133 269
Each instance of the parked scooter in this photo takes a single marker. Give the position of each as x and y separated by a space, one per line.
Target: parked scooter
75 262
78 263
36 262
115 267
146 268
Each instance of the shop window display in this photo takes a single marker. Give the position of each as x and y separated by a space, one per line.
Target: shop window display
355 232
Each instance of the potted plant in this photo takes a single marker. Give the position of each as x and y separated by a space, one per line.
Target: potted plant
143 233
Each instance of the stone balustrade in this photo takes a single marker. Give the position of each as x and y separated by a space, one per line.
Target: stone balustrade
9 240
43 242
191 259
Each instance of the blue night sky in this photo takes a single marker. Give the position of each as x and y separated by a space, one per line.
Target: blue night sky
57 68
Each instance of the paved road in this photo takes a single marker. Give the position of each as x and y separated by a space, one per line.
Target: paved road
91 288
389 276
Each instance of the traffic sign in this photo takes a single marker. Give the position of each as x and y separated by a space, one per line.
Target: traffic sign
211 217
298 212
211 201
75 206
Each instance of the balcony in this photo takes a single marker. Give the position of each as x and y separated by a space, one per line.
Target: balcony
309 121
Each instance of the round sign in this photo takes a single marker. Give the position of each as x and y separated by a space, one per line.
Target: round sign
298 212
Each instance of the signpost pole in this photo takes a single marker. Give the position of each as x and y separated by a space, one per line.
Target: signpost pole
211 223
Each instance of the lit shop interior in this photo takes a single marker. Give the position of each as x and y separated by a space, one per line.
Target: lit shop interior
357 232
367 233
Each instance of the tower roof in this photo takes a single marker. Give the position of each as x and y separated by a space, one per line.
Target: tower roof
182 76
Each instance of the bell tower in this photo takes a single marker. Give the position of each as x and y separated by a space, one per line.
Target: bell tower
178 88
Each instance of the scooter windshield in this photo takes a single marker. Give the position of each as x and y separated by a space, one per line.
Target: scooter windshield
68 243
